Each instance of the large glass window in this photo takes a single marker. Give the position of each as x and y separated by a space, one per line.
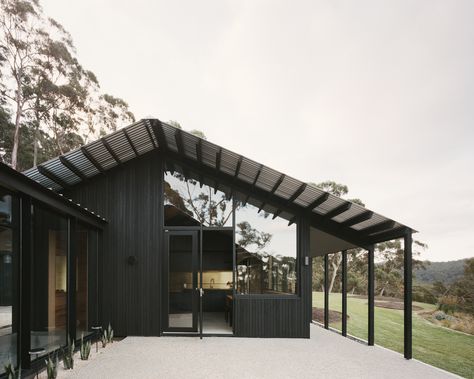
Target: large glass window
49 280
266 253
188 202
335 290
318 289
357 300
8 288
86 280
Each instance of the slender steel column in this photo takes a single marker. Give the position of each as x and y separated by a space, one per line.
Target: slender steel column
344 293
371 285
407 291
326 292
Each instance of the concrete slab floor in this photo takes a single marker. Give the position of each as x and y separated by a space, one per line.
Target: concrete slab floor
325 355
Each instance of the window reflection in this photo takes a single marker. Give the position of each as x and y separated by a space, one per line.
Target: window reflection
8 327
266 253
49 281
190 203
82 258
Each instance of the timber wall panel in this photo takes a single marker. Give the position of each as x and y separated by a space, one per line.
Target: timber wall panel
129 198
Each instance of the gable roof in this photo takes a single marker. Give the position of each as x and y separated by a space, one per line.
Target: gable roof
270 190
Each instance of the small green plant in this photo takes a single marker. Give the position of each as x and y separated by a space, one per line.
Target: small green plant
52 367
68 355
10 371
85 349
109 334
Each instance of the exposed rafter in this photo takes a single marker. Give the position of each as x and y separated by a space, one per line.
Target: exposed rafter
380 227
91 159
72 168
276 214
218 159
292 221
321 199
338 210
125 133
298 192
237 168
150 134
364 216
179 141
157 129
277 184
199 151
389 234
44 171
111 151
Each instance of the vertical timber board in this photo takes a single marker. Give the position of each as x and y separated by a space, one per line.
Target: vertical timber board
129 198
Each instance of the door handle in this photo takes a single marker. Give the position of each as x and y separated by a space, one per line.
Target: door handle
201 291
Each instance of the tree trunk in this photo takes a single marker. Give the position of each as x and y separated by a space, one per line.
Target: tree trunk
16 137
35 147
382 291
335 265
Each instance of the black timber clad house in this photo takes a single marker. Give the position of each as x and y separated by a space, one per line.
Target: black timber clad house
181 236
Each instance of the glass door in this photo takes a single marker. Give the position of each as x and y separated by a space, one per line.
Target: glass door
181 282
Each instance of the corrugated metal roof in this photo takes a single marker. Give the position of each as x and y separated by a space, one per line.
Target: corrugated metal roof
146 135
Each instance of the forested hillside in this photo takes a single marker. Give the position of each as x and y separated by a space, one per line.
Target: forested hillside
445 272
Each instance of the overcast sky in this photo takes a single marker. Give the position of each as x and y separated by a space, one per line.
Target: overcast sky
378 95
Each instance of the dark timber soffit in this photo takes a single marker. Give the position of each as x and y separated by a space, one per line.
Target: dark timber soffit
266 188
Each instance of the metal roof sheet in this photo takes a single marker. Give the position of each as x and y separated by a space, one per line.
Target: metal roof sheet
146 135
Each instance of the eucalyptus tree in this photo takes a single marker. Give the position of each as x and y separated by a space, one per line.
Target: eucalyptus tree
20 39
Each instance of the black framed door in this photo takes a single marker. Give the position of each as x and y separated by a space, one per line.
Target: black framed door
181 292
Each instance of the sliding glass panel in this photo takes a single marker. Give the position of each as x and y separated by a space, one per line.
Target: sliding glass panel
389 301
357 301
217 266
181 281
49 281
82 281
318 289
8 287
266 253
335 290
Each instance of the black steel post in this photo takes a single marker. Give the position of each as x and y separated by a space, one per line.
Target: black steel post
371 291
344 293
407 290
326 291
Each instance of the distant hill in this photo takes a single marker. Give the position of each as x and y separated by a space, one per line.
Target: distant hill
445 272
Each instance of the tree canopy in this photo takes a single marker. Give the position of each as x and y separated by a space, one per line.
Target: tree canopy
49 103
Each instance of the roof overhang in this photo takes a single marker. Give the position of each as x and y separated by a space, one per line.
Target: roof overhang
16 182
268 189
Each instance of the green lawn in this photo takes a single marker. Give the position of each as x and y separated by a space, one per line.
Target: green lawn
440 347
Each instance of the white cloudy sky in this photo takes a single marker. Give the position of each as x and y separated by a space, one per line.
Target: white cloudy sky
378 95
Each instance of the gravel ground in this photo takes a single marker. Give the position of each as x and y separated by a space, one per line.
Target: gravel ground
325 355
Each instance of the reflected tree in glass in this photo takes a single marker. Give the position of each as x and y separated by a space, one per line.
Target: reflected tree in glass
189 202
318 289
266 253
8 287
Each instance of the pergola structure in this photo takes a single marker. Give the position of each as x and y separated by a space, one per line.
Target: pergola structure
335 224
